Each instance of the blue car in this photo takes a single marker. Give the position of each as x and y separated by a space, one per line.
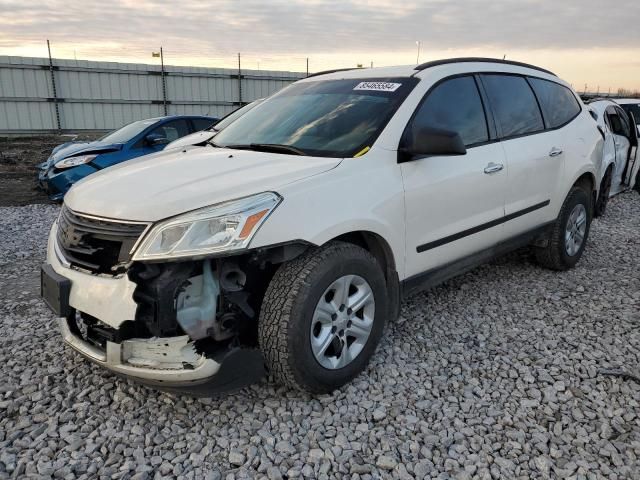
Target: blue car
73 161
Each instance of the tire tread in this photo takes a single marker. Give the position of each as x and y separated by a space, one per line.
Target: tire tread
278 308
550 256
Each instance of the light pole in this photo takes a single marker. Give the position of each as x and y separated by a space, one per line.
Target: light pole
418 56
162 77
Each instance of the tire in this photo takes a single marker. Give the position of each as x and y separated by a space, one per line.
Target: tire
603 197
291 308
556 255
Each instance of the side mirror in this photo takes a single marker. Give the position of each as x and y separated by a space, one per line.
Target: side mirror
427 141
156 139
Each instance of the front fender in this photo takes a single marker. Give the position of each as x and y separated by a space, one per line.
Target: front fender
360 195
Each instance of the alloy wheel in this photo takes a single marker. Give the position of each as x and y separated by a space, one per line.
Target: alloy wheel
342 322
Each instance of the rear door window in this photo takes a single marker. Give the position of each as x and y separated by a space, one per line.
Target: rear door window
615 124
513 104
455 105
626 128
201 123
558 103
173 130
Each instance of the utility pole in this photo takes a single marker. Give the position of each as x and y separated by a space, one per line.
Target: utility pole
239 81
164 83
307 66
371 63
53 88
418 56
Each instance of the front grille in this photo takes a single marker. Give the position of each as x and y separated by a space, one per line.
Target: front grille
96 244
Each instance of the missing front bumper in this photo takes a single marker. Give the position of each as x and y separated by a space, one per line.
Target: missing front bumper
172 363
170 360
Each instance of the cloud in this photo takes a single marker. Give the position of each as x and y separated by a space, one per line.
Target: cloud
300 27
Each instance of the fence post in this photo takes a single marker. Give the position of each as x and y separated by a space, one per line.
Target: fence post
53 87
164 83
239 81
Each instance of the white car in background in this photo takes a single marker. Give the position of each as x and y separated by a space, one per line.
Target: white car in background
620 152
291 238
200 138
632 106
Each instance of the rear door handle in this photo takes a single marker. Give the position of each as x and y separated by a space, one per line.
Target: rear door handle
493 167
555 152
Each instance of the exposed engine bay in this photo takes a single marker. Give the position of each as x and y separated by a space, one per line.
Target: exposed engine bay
191 310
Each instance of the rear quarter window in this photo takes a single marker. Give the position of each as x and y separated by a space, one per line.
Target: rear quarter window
559 104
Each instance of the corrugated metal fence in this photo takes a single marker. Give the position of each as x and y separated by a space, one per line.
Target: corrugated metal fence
74 95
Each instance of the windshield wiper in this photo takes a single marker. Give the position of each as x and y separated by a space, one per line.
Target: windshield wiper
269 147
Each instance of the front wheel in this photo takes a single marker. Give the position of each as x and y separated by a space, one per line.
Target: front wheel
568 235
322 317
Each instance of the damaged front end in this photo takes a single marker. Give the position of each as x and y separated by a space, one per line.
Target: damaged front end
189 325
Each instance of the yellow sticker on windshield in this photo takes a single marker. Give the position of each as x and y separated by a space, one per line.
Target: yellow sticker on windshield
362 152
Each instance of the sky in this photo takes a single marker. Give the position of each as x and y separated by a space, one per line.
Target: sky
592 44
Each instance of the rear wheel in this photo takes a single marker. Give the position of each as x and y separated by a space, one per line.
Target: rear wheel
568 236
605 189
322 317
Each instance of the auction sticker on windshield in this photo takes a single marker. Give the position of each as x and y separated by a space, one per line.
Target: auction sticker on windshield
378 86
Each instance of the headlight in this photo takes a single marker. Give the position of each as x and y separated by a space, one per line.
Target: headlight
223 227
75 161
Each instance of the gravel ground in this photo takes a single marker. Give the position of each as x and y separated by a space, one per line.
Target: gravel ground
510 371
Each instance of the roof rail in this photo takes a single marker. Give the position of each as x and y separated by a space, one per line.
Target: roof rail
587 99
325 72
447 61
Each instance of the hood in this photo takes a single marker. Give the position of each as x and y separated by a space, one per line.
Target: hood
165 184
76 148
191 139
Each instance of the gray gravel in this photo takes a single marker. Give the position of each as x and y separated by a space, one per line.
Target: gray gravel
510 371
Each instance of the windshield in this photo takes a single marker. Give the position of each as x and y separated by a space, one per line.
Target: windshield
126 133
635 109
234 115
330 118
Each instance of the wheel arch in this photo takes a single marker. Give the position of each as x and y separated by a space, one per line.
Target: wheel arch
586 179
377 246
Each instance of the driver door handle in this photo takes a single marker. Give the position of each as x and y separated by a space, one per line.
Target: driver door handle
493 167
555 152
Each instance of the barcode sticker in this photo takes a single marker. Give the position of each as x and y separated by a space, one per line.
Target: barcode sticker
378 86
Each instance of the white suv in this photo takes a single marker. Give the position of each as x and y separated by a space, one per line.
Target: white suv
292 238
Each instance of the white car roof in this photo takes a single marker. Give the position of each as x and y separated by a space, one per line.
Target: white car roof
601 105
452 64
627 101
